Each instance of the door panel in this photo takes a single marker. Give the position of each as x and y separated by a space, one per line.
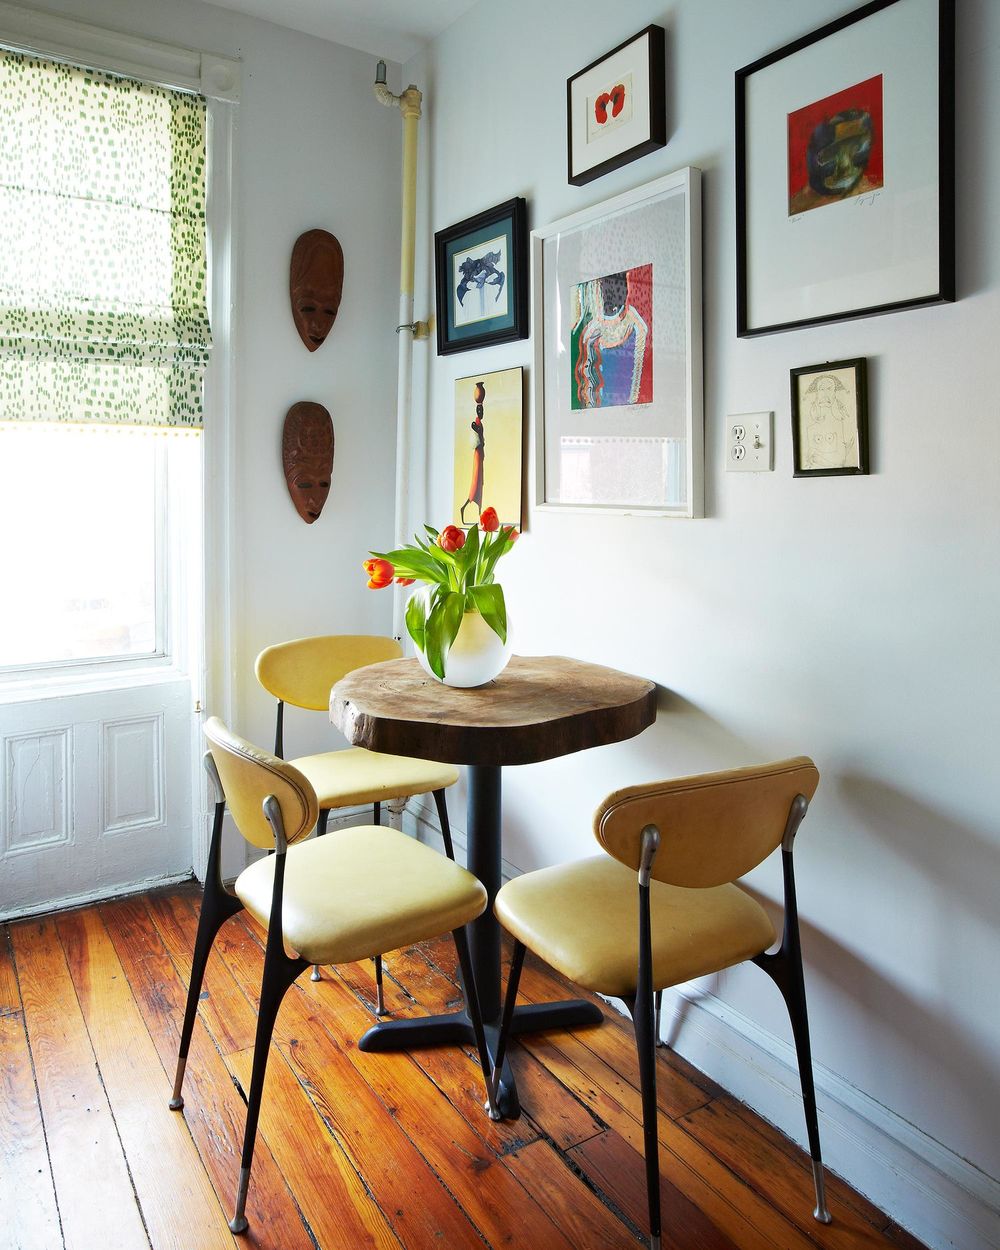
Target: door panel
96 793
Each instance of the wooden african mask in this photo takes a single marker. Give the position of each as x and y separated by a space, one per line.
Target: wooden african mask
307 457
316 282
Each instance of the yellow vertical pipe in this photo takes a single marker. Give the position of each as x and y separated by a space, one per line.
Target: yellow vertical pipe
409 106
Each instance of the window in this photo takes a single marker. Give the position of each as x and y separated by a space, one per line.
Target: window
104 340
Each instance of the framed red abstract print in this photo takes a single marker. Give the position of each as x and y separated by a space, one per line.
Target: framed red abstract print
845 170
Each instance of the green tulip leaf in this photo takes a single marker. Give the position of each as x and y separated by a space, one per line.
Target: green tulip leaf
489 601
416 618
443 624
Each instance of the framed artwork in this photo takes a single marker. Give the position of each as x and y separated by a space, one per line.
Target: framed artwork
830 419
489 436
616 107
845 170
617 379
481 274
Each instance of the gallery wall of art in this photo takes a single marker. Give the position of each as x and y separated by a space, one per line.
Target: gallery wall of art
851 617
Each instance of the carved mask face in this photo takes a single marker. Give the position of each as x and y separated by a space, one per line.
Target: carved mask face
307 457
317 284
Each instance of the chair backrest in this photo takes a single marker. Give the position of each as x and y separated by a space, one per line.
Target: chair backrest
302 671
714 827
248 776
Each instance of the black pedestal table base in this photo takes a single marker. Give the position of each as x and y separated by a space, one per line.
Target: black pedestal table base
456 1029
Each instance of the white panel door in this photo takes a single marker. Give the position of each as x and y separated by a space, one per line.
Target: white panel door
95 793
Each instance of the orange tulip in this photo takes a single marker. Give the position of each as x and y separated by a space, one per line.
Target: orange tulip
451 538
489 522
380 573
405 581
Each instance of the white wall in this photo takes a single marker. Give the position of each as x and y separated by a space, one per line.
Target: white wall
855 619
313 148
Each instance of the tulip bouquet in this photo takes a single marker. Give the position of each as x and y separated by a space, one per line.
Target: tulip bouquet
458 566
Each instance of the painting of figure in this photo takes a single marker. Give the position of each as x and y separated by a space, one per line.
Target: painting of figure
827 421
835 148
479 281
489 432
611 340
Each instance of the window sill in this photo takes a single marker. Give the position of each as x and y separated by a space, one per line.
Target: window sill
30 687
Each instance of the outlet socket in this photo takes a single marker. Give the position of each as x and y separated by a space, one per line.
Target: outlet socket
750 442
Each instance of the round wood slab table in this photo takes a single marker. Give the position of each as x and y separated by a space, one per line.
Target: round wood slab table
540 707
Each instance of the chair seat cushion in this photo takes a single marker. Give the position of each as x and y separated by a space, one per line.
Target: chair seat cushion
583 919
356 776
362 891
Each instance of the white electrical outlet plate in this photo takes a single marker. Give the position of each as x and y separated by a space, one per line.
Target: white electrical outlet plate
749 442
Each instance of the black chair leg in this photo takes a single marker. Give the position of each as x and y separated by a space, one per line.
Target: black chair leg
658 1009
321 822
643 1010
280 973
506 1017
784 967
379 982
475 1014
645 1042
441 803
217 905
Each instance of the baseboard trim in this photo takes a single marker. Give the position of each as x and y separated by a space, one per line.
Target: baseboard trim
104 895
929 1190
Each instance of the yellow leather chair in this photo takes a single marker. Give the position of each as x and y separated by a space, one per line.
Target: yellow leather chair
662 907
301 672
328 901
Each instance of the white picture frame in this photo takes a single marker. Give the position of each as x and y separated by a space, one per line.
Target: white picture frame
638 449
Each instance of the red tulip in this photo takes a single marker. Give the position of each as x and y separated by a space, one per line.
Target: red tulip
489 522
405 581
380 573
451 538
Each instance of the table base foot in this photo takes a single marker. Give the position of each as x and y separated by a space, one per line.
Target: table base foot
456 1029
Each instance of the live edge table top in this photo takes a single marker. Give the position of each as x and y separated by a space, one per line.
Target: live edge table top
540 707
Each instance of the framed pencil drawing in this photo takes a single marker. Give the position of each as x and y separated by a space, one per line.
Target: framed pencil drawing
616 107
481 275
617 376
845 167
830 419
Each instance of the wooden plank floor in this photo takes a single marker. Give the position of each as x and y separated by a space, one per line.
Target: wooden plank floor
354 1150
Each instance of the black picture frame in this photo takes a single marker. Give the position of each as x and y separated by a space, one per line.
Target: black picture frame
506 227
795 259
843 422
648 121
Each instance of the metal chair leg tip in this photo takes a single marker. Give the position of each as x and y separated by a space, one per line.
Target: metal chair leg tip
822 1216
176 1104
314 975
492 1111
238 1224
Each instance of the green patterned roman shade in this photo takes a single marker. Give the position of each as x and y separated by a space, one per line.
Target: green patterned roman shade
103 309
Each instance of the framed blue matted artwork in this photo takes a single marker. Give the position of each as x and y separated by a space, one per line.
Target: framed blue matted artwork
481 275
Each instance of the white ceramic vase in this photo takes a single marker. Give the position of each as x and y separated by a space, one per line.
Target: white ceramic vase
477 655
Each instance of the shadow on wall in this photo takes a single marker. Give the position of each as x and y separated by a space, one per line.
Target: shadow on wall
963 864
965 870
683 740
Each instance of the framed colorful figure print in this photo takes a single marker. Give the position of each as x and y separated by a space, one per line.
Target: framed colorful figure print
845 188
830 419
489 436
481 275
616 107
617 378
